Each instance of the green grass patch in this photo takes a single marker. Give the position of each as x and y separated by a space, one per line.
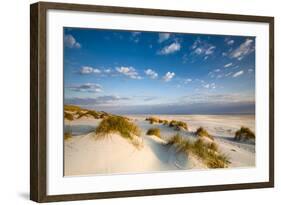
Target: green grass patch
244 133
154 131
118 124
207 152
201 132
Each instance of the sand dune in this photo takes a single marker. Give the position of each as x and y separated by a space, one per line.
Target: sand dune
84 154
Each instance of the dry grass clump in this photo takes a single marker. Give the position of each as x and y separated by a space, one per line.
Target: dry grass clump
71 108
207 152
68 116
178 125
121 125
67 136
201 132
89 113
154 131
72 112
244 133
153 120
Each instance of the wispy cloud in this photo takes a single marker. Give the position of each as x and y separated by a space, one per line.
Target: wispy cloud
163 37
136 33
229 41
250 70
135 36
128 71
89 70
209 85
228 65
238 73
151 73
168 76
70 42
188 80
87 87
203 48
169 49
243 50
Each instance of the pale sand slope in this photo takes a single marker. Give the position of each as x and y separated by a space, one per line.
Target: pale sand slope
84 155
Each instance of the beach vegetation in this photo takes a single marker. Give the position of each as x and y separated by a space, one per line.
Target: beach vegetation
72 108
67 136
68 116
201 132
117 124
207 152
154 131
153 120
244 133
178 125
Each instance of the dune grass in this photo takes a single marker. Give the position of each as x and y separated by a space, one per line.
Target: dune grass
92 113
72 108
153 120
154 131
244 133
67 136
121 125
201 132
207 152
68 116
178 125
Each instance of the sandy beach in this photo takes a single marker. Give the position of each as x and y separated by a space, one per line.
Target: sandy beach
84 154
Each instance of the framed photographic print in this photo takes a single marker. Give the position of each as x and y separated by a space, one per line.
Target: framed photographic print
134 102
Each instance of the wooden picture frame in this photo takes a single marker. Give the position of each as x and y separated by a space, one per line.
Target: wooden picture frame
38 101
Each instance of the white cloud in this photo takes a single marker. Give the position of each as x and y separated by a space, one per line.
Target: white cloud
217 70
209 85
87 87
107 70
228 74
228 65
198 51
128 71
243 50
163 37
172 48
238 73
230 41
89 70
188 80
203 48
210 50
168 76
151 73
71 42
206 86
250 70
136 33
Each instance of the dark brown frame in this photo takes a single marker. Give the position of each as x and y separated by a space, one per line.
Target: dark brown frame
38 96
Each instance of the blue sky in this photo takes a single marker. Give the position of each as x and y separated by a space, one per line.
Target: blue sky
132 72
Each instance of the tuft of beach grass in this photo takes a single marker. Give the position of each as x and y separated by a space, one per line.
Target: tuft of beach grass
207 152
